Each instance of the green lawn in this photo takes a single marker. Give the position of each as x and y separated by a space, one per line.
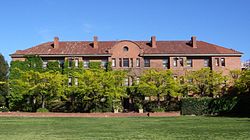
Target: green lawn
28 128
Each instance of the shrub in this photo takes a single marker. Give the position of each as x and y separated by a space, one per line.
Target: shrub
42 110
195 106
4 109
223 105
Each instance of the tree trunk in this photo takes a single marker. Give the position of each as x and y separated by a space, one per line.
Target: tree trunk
43 102
158 101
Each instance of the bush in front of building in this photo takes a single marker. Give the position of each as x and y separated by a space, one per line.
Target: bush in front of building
42 110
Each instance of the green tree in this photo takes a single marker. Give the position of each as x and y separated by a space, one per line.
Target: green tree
243 83
4 67
158 83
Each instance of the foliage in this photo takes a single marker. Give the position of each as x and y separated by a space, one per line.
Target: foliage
195 106
205 82
94 65
243 82
53 66
4 109
42 110
158 83
4 67
223 105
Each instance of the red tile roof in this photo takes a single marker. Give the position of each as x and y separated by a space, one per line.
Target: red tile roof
86 48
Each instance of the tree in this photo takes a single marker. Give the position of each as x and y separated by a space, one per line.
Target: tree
36 85
243 83
4 67
205 82
158 83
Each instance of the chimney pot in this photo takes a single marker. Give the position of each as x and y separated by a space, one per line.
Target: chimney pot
194 42
153 41
56 42
95 45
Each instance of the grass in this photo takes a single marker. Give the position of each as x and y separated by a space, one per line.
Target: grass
187 127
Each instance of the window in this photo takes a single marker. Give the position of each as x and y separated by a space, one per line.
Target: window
70 81
223 63
137 80
217 62
131 62
45 63
104 63
76 81
70 62
61 63
120 62
165 63
76 62
137 62
125 62
181 62
125 49
146 62
206 62
126 82
113 62
189 62
175 62
86 63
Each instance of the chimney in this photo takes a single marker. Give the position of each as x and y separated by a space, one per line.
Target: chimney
95 45
56 42
193 41
153 41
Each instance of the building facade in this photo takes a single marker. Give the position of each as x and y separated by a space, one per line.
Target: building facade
180 56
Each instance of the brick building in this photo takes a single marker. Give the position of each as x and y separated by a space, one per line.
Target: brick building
180 56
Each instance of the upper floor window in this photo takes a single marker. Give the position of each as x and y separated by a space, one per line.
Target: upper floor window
120 62
217 62
223 63
131 62
189 62
104 63
61 63
125 49
70 62
206 62
165 63
146 62
45 63
125 62
86 63
175 62
181 62
137 62
76 62
113 62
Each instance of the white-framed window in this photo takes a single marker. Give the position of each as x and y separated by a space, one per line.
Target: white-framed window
217 62
76 62
45 63
76 81
223 62
125 62
206 62
70 81
175 60
126 81
189 62
165 63
137 62
113 62
86 63
70 62
146 62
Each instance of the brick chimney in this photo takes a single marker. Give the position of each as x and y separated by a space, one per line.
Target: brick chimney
95 44
193 41
153 41
56 42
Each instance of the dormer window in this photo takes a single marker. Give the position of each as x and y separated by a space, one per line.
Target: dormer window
125 49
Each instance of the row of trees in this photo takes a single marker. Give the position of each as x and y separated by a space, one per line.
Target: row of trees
30 87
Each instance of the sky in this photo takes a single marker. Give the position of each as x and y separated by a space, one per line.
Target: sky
26 23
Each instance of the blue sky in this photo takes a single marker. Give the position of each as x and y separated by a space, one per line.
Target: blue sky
25 23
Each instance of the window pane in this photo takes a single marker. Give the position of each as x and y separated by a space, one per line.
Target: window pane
104 63
120 62
137 62
165 63
61 63
181 62
175 62
206 62
70 81
76 62
189 63
125 62
76 81
70 62
131 62
113 62
45 63
125 49
217 62
86 63
146 62
222 61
